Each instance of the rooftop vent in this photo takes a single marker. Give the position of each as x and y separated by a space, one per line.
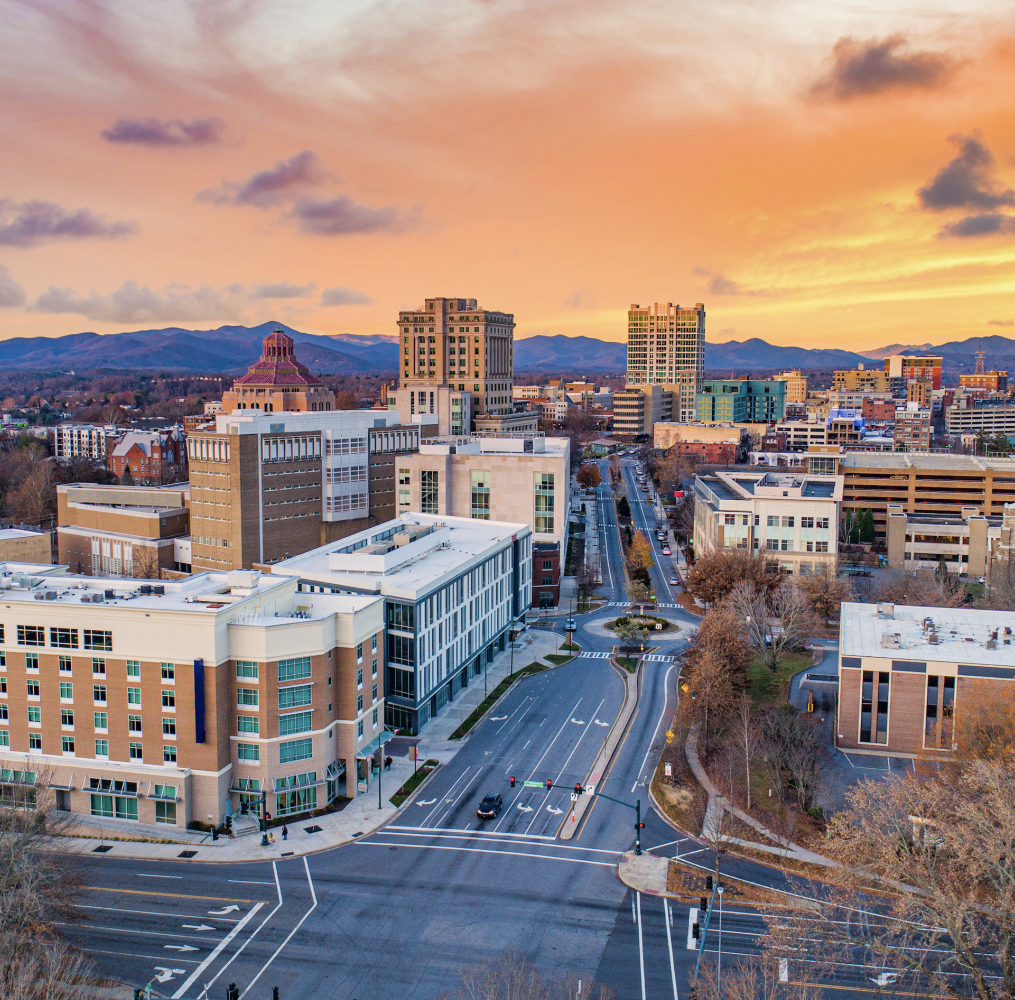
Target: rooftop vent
158 589
110 595
146 588
891 640
412 534
378 549
886 610
933 638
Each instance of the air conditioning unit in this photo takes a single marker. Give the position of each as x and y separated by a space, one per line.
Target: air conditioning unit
886 610
891 640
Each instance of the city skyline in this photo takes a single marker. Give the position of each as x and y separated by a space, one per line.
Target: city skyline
847 180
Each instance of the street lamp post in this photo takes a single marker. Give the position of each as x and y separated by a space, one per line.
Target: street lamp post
264 814
718 974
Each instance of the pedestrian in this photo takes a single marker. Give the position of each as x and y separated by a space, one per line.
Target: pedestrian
285 833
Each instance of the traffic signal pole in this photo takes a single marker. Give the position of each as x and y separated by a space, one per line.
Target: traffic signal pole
638 824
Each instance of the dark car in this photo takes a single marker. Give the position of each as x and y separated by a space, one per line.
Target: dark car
490 807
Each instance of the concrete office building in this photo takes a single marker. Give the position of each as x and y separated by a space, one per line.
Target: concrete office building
452 587
265 486
912 427
903 367
637 410
132 531
793 517
989 417
965 544
905 671
256 687
741 401
277 382
796 386
925 484
455 344
93 441
493 479
666 348
861 380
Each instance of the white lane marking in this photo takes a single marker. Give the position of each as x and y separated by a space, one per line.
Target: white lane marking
198 927
180 947
461 778
634 786
669 843
556 812
669 945
246 881
579 722
154 958
598 723
225 909
404 831
523 808
426 802
146 875
134 930
662 715
218 951
482 850
278 950
165 973
154 913
497 718
452 802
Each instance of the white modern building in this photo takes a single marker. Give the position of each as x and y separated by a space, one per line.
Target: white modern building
791 516
452 588
91 441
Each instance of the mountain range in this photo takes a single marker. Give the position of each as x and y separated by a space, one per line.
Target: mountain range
232 349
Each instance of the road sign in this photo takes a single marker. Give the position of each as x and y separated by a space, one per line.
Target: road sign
574 796
533 784
669 770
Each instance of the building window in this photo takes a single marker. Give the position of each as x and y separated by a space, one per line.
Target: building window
359 703
295 750
248 751
34 741
429 480
373 693
102 748
98 667
99 694
940 709
169 727
63 638
247 697
33 687
169 755
134 696
359 677
134 670
246 670
99 641
294 697
359 653
481 495
248 724
31 661
295 722
66 691
67 743
874 707
31 635
373 667
169 671
375 718
67 717
295 669
544 502
134 723
136 751
65 665
165 812
359 729
101 720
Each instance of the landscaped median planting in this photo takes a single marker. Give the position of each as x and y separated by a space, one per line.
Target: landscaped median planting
414 782
484 706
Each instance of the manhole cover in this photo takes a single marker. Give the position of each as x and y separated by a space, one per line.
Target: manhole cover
186 854
102 849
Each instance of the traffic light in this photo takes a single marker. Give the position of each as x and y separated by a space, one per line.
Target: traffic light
708 883
639 826
703 904
138 993
578 788
549 783
229 823
512 781
214 833
232 992
274 993
696 931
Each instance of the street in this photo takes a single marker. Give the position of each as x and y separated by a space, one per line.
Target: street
399 911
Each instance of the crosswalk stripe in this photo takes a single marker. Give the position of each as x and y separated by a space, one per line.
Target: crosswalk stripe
593 656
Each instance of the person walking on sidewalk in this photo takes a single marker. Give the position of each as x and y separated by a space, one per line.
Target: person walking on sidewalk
285 833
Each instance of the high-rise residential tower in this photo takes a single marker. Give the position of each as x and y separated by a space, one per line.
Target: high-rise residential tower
666 347
455 345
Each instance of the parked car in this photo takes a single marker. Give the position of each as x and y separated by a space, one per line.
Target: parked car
490 807
673 580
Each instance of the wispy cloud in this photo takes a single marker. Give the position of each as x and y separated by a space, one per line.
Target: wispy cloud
719 284
12 294
276 185
342 216
580 298
30 223
283 290
156 132
340 296
1000 322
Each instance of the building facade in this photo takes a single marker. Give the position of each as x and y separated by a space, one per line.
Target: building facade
995 381
862 380
791 517
912 427
709 443
905 671
966 544
905 367
453 343
989 417
796 387
741 401
277 382
150 458
666 347
92 441
452 588
256 688
266 486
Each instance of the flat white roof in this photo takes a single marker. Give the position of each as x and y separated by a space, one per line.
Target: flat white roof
19 533
469 542
962 634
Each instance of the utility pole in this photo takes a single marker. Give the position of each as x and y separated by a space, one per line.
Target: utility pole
264 814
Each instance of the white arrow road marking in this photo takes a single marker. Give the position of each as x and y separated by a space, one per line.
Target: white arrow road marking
525 809
223 911
497 718
198 927
577 722
164 974
556 812
885 978
219 948
598 723
180 947
426 802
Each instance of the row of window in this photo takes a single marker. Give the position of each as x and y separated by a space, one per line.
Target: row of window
62 638
69 746
99 693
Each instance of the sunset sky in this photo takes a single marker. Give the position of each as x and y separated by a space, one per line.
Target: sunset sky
827 175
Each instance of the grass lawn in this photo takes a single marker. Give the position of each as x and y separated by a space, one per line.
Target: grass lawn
768 688
413 783
629 663
572 648
558 658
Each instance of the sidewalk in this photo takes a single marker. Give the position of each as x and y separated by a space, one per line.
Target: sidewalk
362 815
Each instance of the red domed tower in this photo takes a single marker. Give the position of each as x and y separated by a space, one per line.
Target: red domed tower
278 382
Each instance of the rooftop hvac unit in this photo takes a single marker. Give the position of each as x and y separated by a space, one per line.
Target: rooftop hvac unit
50 595
991 644
891 640
886 610
146 588
934 639
158 589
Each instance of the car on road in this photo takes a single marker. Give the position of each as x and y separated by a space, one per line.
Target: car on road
570 625
666 550
673 580
645 487
490 807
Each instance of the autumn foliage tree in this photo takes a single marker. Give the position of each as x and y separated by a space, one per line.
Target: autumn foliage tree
639 557
589 476
715 574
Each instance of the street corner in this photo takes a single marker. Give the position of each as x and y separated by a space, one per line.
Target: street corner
644 873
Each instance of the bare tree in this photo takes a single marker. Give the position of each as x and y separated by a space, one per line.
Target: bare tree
586 580
746 732
712 692
940 590
637 592
795 748
775 623
511 976
146 562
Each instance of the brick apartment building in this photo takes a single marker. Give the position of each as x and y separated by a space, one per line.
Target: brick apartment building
150 458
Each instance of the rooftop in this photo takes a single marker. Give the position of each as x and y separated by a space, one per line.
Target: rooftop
404 557
924 460
962 634
278 365
770 485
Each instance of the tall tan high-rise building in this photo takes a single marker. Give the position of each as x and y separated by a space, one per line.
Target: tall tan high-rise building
453 344
796 386
666 346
